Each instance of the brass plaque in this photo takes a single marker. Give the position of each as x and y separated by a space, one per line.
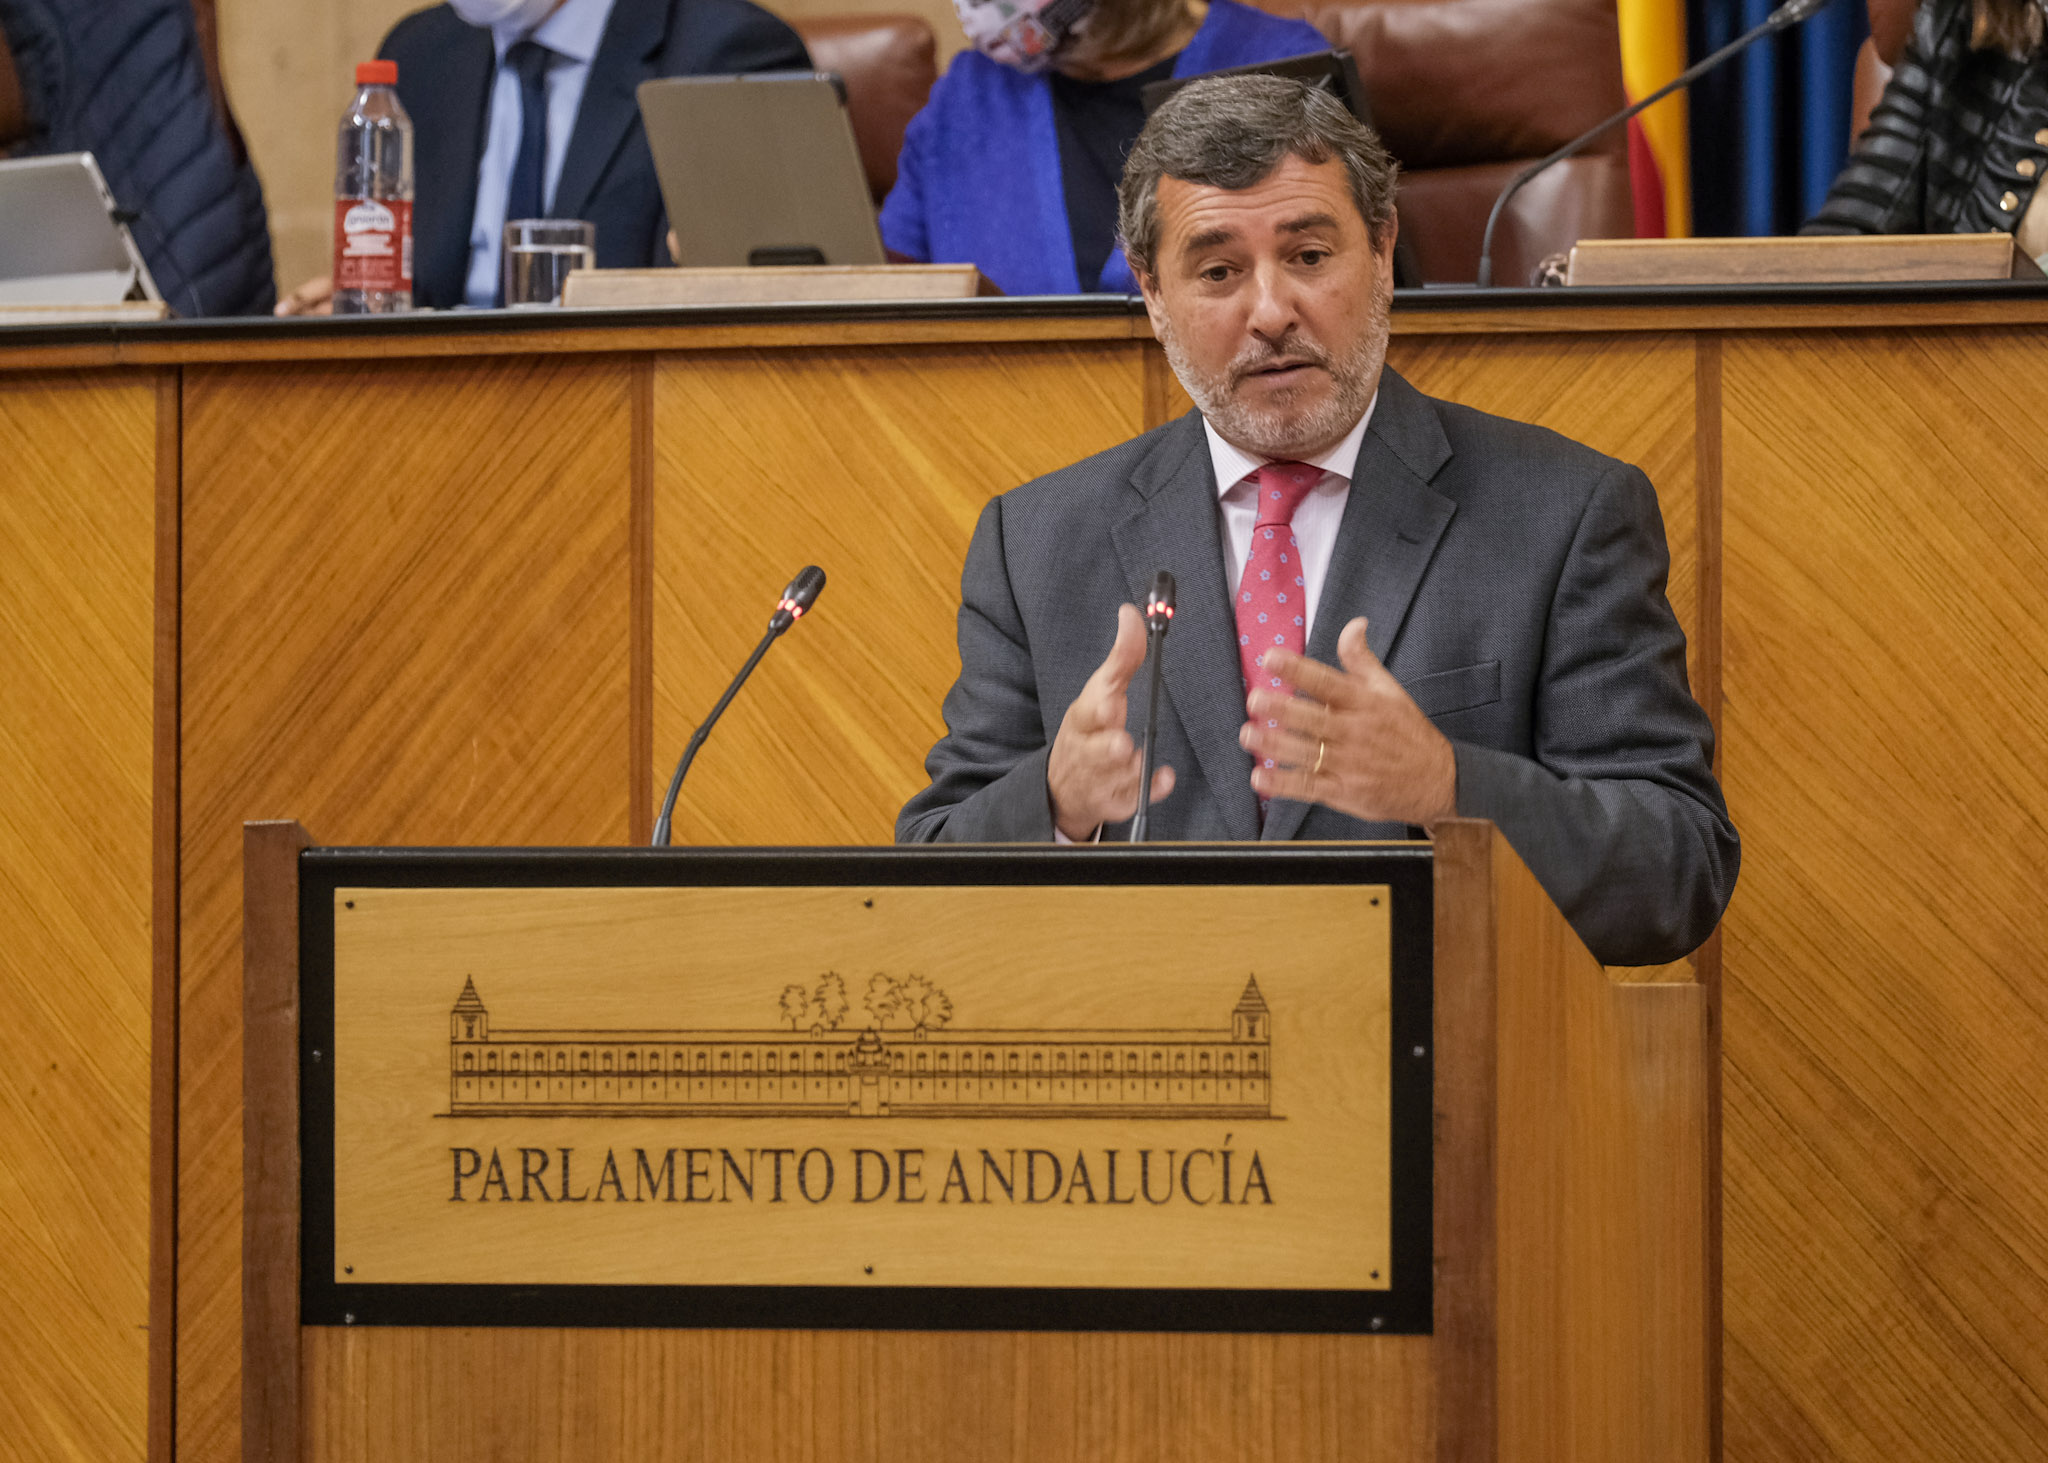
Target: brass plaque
1023 1099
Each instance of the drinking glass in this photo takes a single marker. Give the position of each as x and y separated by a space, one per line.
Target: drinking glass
539 253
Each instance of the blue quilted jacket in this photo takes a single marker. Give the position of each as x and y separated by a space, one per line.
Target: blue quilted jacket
124 80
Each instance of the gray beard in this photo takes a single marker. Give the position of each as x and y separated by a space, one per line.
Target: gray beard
1274 432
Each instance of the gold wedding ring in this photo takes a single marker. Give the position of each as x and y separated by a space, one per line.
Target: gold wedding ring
1322 747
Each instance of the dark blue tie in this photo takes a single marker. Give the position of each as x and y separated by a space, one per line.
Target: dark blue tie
530 61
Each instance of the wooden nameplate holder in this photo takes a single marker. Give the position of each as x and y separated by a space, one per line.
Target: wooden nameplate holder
122 312
772 285
1832 259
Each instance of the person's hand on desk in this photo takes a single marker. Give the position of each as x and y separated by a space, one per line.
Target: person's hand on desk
1092 773
314 297
1352 740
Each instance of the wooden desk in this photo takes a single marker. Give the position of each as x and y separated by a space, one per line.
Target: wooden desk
473 579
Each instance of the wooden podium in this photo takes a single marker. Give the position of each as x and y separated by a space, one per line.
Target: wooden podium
814 1153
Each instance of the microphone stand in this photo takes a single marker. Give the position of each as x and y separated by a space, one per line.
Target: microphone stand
802 593
1783 18
697 738
1158 618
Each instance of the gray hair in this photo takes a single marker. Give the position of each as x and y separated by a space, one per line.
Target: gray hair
1230 132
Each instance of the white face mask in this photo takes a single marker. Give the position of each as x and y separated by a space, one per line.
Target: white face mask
1022 34
522 15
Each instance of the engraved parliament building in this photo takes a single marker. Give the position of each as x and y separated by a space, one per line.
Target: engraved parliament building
1223 1072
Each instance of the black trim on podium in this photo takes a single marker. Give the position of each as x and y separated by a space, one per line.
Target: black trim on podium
1405 1308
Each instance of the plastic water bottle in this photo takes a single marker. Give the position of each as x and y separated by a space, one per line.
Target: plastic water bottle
373 198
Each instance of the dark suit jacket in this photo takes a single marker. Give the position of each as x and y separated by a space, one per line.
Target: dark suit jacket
445 73
1514 581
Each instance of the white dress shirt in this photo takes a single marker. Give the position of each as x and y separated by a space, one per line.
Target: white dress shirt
572 33
1316 519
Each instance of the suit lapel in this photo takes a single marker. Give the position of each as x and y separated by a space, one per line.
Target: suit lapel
1174 527
1393 521
624 59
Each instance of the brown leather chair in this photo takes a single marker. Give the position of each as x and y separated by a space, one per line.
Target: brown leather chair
13 111
889 63
1469 92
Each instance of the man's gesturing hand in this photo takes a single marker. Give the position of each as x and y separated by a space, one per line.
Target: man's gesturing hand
1381 759
1092 775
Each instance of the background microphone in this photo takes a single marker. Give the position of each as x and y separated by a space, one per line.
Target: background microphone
1791 13
802 593
1158 620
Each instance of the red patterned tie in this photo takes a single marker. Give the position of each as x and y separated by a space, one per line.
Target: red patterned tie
1272 605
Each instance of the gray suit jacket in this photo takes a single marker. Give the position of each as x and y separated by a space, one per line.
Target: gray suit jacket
1514 581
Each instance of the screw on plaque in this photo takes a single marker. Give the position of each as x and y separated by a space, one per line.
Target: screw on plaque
348 1318
351 904
316 1054
867 904
348 1269
1378 1321
1374 901
868 1269
1418 1051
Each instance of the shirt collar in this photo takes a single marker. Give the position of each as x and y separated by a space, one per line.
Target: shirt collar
573 31
1234 465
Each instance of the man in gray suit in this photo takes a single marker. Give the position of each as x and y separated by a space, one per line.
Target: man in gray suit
1391 610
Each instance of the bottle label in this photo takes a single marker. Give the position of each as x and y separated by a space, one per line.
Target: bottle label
372 244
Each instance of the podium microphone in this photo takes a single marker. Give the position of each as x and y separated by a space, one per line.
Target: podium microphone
1158 620
802 593
1791 13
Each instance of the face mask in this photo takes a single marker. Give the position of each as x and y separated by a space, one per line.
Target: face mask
522 15
1022 34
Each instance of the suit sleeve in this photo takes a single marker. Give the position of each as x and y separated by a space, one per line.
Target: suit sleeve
1618 815
988 771
742 37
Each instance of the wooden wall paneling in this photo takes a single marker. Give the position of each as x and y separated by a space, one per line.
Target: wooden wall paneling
163 901
1465 1108
874 465
406 621
604 1396
1603 1266
77 857
1885 683
271 1402
642 788
1706 961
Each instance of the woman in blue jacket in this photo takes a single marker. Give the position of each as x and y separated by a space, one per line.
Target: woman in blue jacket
1012 165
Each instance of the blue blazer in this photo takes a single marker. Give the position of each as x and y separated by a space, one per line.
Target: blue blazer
445 73
979 180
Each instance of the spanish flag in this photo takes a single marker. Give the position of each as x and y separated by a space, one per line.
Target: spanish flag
1652 53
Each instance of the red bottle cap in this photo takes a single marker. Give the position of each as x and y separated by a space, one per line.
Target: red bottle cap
377 73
